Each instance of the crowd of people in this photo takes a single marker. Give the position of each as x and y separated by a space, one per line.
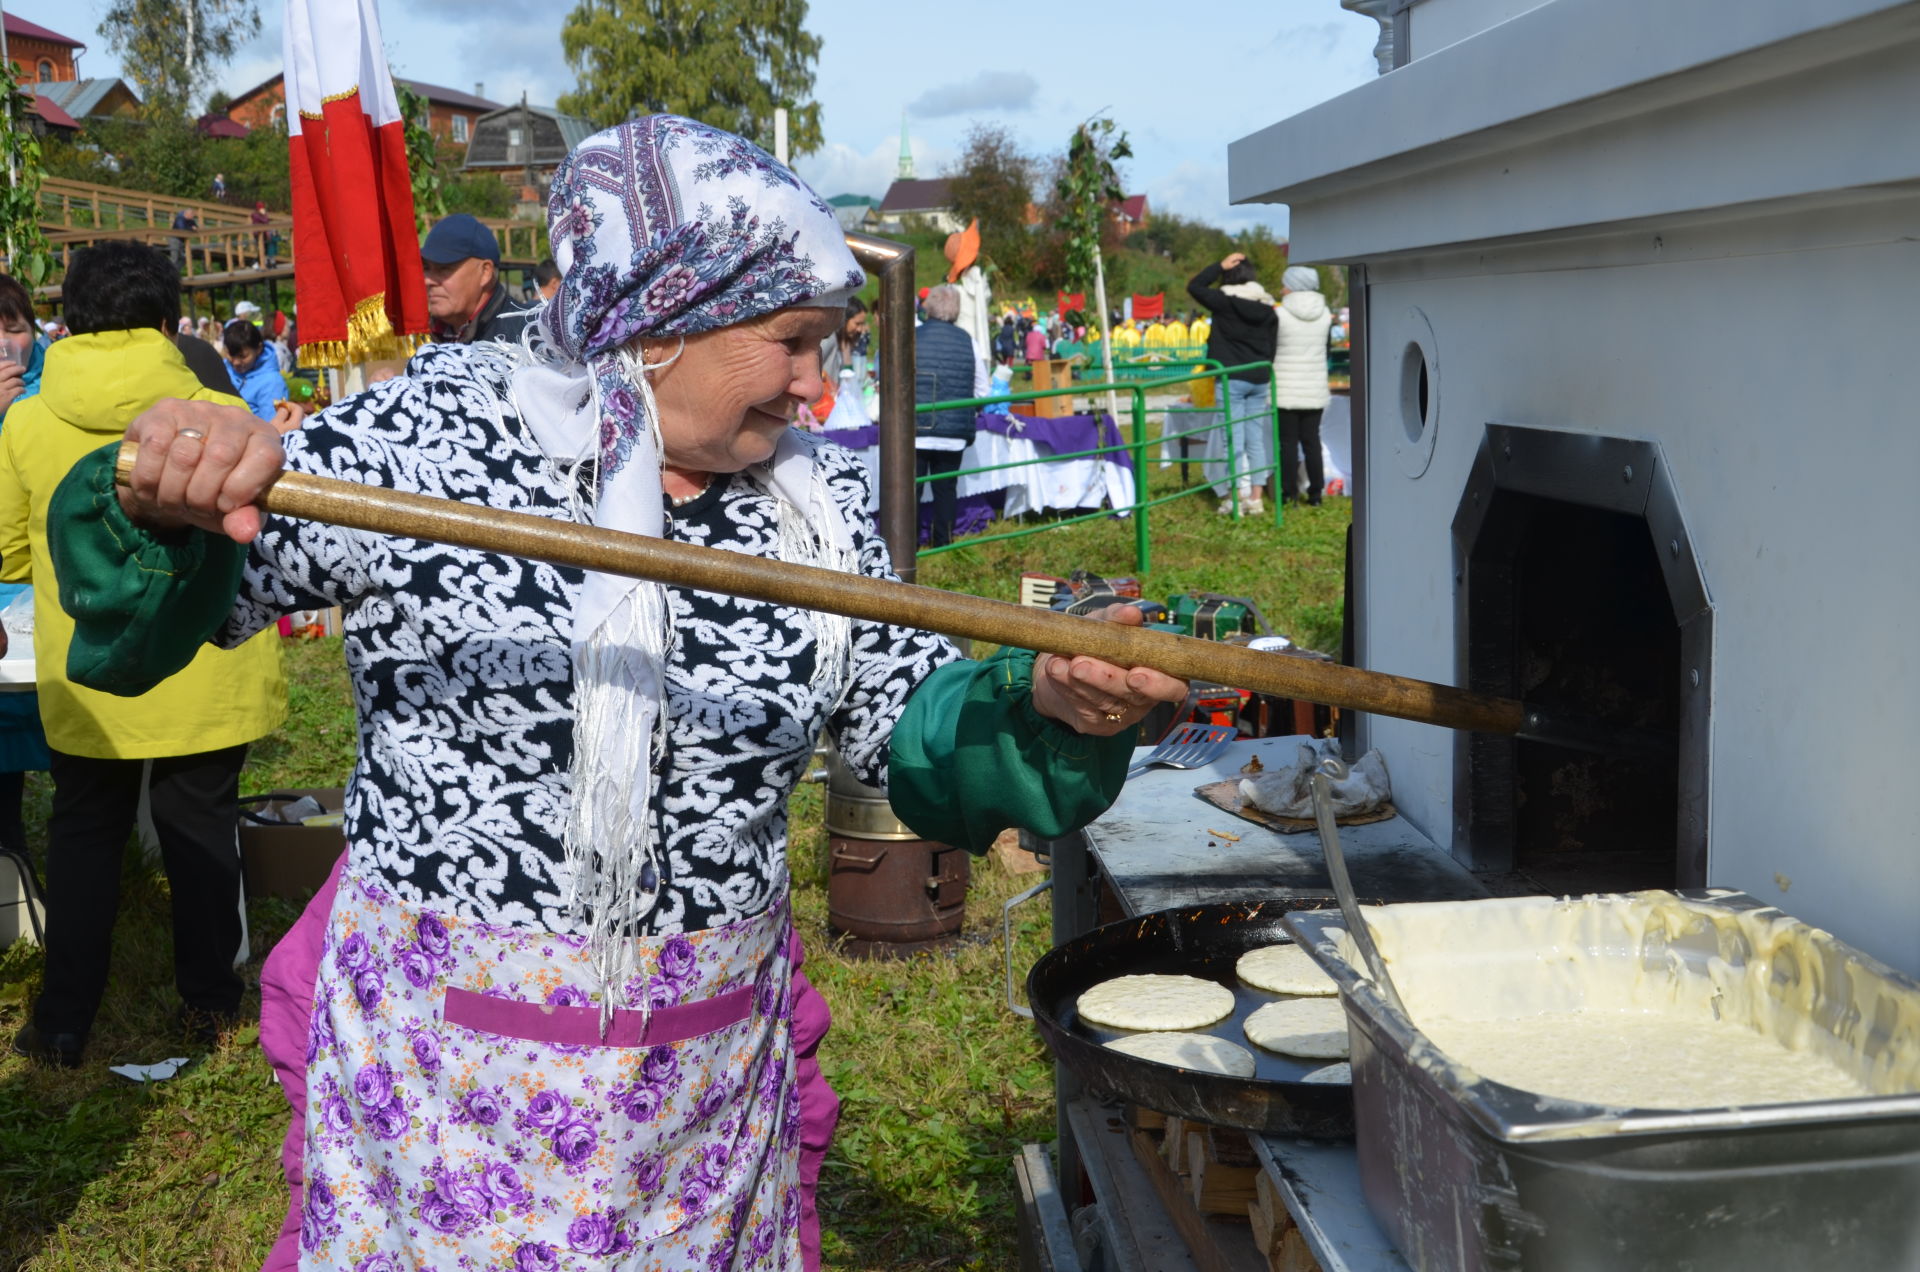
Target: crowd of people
66 386
549 1005
1276 352
180 746
1029 338
550 998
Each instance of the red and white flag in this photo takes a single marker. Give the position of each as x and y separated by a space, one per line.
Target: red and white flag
357 277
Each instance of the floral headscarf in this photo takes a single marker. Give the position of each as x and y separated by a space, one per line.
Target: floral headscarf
661 227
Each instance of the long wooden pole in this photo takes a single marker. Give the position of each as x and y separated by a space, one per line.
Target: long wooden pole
406 515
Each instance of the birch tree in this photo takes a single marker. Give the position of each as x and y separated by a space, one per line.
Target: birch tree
173 49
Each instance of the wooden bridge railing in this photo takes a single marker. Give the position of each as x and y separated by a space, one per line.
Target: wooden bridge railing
207 251
69 204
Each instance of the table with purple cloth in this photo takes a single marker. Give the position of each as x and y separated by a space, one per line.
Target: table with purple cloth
1099 481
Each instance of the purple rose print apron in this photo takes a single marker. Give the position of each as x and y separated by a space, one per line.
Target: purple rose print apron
464 1111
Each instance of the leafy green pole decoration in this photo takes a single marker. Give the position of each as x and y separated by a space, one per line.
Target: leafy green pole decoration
1087 187
423 160
28 257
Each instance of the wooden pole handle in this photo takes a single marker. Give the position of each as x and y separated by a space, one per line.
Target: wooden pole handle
406 515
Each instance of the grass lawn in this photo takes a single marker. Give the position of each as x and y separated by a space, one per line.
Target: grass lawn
940 1083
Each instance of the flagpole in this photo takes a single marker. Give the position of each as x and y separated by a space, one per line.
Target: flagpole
1106 328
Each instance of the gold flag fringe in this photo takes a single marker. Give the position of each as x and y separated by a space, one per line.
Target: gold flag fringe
370 338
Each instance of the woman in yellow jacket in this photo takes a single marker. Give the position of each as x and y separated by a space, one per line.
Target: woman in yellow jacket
121 298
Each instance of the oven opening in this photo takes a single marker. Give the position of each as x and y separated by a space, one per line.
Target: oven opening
1585 630
1578 601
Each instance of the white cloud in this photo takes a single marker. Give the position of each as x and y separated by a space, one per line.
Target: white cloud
837 168
251 67
508 55
1198 189
998 91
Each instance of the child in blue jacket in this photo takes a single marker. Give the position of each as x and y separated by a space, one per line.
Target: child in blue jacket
254 366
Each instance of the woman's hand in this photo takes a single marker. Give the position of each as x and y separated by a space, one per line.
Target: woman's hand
12 383
1096 697
287 417
201 464
1232 259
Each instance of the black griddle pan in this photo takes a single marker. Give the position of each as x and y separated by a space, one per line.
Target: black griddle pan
1203 941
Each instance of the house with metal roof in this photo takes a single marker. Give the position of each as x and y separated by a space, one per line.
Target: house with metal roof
451 114
85 99
928 198
524 144
525 136
851 209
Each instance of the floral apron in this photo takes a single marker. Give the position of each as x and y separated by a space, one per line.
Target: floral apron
464 1111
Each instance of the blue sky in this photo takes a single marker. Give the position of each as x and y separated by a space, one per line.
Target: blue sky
1182 82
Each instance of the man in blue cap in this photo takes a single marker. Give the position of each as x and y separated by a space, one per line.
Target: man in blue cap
465 297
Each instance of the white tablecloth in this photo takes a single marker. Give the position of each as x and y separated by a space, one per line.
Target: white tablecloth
1056 484
16 672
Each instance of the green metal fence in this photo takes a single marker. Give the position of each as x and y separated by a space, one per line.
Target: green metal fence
1136 390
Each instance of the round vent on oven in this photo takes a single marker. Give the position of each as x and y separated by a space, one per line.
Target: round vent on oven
1419 396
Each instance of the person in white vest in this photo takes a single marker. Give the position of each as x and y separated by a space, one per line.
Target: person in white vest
963 271
1300 391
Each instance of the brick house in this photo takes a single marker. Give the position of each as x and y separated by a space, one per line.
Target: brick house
451 113
45 57
1130 214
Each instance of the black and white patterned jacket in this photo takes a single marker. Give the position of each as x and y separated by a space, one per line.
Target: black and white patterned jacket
462 673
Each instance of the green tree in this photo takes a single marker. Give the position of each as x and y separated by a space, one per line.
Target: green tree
993 180
1188 243
1088 184
1267 254
173 49
423 158
28 257
728 63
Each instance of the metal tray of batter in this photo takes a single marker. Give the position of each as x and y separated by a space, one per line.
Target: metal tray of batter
1463 1172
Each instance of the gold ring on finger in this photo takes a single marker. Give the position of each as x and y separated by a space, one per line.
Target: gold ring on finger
1114 717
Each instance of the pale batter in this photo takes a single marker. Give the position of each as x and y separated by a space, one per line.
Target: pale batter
1645 1060
1189 1051
1155 1002
1647 1000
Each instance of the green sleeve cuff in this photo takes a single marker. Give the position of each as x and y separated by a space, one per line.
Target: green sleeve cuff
141 607
971 757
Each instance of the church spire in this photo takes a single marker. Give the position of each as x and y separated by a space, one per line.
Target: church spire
906 151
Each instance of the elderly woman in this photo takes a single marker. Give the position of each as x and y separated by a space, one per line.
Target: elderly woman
550 1016
945 362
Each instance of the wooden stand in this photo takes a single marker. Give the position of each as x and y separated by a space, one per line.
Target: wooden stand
1217 1196
1049 373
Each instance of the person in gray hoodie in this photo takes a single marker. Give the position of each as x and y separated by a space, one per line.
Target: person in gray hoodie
1300 391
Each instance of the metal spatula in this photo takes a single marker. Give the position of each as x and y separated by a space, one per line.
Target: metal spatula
1188 747
1342 884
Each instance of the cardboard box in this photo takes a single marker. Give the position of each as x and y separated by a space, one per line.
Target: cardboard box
290 861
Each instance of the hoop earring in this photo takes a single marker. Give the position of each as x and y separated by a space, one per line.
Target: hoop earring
661 366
